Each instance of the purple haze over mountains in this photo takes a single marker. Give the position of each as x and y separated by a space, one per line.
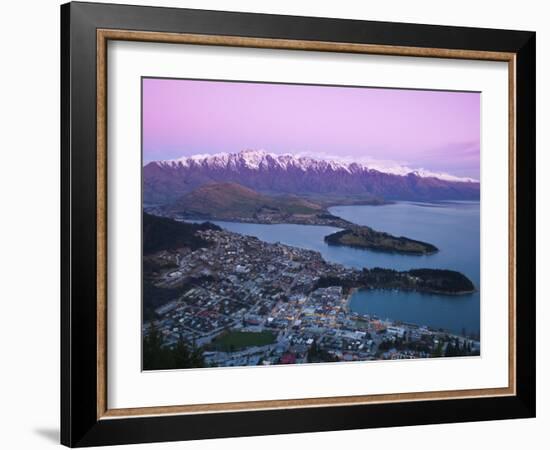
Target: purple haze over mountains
435 130
166 181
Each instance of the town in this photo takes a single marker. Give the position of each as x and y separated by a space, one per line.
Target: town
247 302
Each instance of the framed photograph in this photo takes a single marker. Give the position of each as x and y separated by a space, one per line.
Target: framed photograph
277 224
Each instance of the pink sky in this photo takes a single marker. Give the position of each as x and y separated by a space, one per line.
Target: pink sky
434 130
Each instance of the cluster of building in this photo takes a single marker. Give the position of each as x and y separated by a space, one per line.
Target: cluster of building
240 284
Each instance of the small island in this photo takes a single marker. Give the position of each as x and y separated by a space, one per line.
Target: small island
367 238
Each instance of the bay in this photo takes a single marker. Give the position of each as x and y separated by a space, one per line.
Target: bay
451 226
454 227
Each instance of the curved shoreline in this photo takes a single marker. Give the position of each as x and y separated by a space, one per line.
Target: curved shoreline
369 307
365 238
374 249
347 302
419 291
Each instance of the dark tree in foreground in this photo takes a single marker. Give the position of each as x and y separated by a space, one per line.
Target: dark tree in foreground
316 354
157 356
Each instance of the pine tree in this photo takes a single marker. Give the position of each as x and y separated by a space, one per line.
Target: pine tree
158 356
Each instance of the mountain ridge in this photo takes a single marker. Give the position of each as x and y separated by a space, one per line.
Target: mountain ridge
165 181
229 200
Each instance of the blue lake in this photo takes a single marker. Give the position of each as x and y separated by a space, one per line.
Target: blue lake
451 226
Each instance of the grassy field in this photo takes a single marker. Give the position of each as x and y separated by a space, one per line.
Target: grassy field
237 340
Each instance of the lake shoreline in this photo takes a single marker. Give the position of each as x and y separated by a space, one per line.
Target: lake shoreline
347 302
459 250
366 238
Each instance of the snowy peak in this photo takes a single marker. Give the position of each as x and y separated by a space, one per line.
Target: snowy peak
260 160
301 175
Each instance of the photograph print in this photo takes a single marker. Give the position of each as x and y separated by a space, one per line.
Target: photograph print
295 224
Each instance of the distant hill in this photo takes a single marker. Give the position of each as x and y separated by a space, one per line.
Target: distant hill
161 233
231 200
167 181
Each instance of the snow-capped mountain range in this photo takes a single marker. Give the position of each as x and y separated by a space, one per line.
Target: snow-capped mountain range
165 181
259 160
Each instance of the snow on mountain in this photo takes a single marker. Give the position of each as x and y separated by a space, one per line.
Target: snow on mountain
261 160
301 175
